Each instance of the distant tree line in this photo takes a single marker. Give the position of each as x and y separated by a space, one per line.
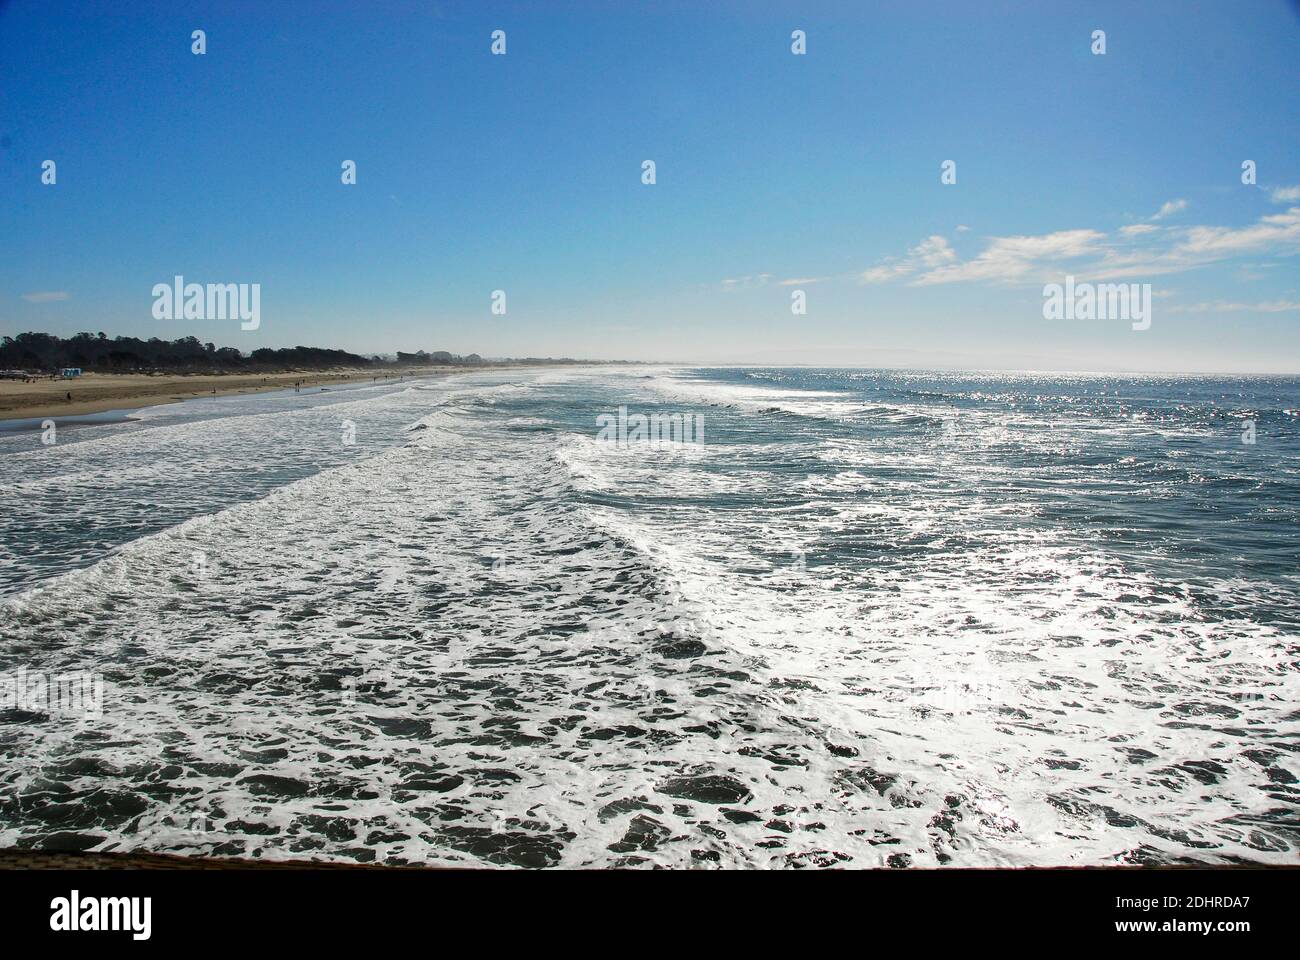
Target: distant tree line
437 356
46 352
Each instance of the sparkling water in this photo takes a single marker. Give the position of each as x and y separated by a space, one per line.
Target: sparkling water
866 619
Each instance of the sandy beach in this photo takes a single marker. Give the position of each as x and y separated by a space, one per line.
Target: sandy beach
97 392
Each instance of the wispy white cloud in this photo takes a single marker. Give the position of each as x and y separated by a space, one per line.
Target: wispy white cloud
1008 259
1003 260
1134 251
46 296
1186 248
1278 229
1192 247
883 272
1169 208
1220 306
932 253
1138 251
751 280
1284 194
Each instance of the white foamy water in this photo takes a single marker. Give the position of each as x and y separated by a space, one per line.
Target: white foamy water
846 630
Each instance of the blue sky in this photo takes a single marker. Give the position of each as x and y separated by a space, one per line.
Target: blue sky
523 173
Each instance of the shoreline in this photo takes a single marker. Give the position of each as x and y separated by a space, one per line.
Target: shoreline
101 393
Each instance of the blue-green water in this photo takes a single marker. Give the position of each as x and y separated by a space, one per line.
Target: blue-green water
871 618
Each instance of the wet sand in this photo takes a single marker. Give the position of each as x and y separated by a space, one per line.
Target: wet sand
97 392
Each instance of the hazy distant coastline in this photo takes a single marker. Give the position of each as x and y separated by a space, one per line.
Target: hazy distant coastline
46 353
127 372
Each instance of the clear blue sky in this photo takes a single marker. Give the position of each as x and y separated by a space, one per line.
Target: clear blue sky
523 173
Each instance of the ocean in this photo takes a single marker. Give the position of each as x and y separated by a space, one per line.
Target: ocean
858 618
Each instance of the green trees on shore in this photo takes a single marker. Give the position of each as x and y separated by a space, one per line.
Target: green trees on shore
44 352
